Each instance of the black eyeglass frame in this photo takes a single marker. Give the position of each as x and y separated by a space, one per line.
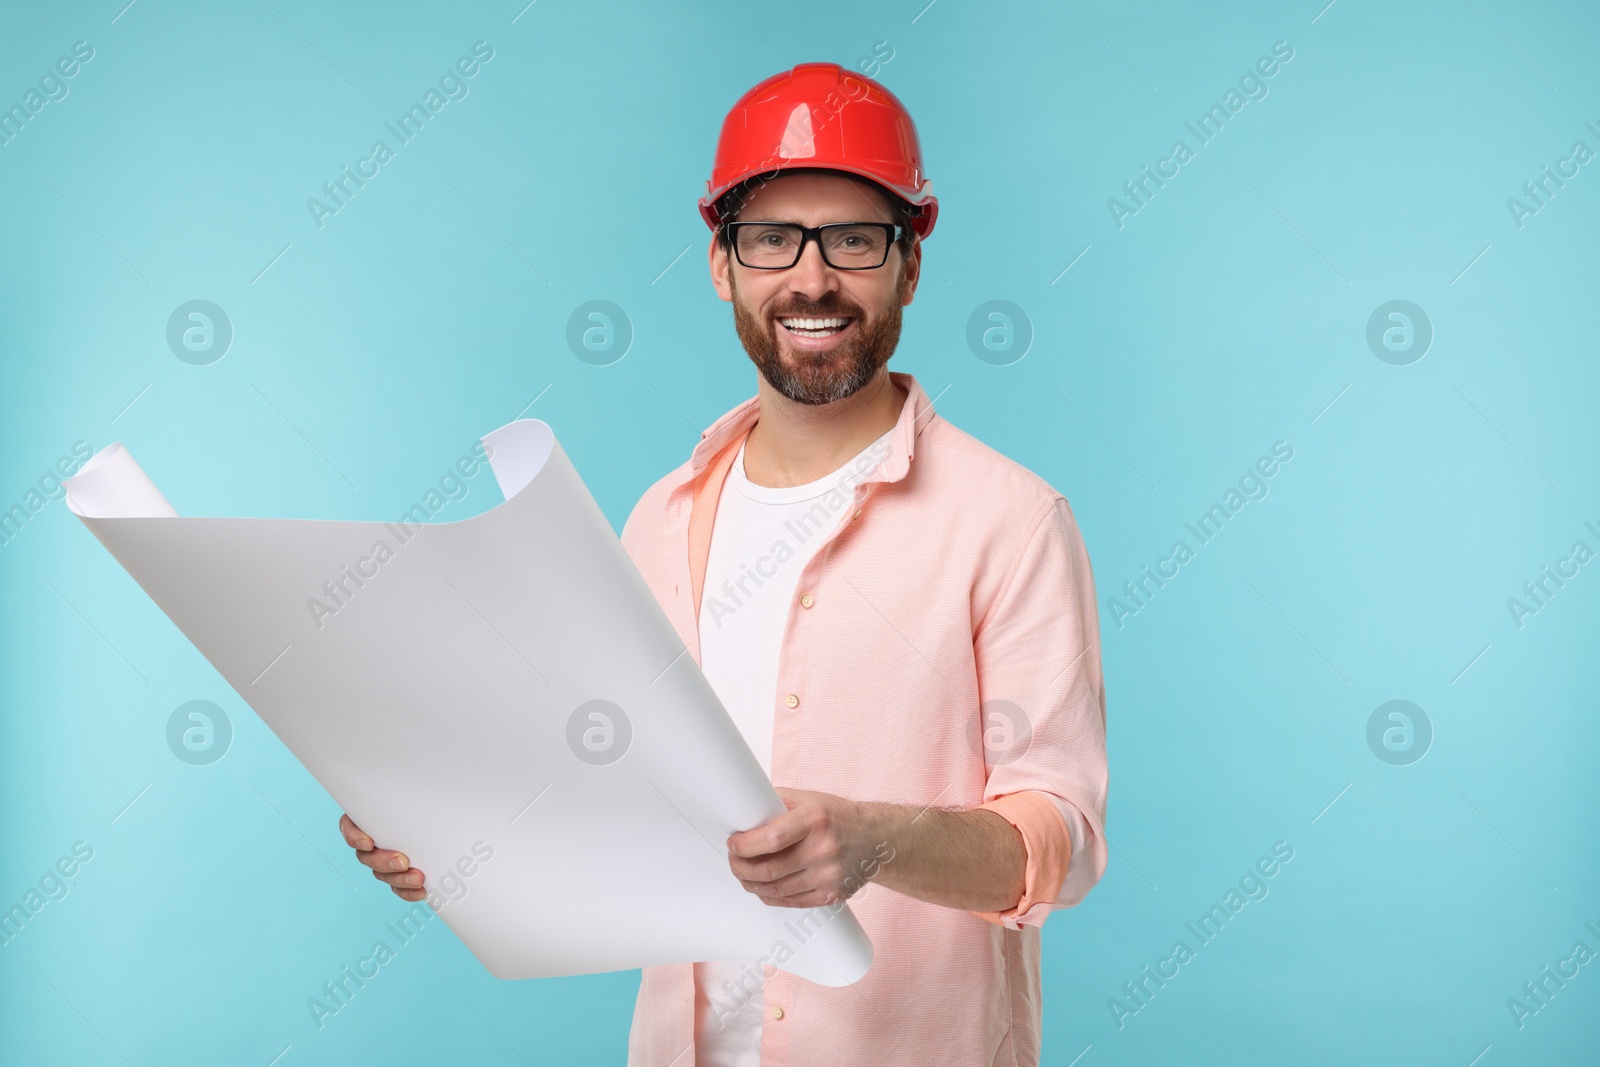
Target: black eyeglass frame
893 230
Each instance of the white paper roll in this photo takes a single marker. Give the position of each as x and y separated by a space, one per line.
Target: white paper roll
504 684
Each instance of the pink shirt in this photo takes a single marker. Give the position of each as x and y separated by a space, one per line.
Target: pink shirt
942 648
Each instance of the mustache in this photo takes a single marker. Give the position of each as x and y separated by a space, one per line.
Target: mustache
824 309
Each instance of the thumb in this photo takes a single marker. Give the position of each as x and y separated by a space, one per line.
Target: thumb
792 798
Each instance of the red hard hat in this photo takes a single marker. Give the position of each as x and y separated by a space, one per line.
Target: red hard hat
821 116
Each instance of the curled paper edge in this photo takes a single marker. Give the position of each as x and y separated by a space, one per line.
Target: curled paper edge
112 486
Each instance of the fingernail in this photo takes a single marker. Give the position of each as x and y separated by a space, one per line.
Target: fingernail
398 864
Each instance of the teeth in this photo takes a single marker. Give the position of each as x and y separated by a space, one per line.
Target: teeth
814 324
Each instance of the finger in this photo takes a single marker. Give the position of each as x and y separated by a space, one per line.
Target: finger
814 899
412 895
789 861
384 859
776 835
411 879
354 836
781 888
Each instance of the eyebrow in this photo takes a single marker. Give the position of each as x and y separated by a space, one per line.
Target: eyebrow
842 222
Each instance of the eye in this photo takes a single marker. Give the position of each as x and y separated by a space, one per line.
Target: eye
767 238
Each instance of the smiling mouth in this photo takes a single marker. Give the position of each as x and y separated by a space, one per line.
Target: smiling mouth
815 327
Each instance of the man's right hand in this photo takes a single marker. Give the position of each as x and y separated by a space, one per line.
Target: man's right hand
387 865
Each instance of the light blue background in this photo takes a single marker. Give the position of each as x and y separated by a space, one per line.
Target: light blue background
1228 314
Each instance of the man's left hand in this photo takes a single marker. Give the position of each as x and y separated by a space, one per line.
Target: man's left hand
821 851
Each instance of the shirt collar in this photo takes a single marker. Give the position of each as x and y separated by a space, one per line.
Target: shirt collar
915 414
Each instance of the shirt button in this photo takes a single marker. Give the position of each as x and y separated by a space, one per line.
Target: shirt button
806 601
792 700
857 515
777 1012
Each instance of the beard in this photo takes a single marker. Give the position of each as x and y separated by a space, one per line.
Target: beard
821 377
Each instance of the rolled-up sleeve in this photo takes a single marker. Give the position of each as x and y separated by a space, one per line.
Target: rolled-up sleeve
1037 651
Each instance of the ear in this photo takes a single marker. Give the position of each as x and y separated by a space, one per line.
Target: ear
911 267
717 257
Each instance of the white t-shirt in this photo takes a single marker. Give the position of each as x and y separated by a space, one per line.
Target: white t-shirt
760 542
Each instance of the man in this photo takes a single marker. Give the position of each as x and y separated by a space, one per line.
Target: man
900 620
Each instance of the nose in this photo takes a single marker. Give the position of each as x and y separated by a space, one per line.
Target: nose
812 278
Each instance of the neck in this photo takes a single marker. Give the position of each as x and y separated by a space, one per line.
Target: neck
793 443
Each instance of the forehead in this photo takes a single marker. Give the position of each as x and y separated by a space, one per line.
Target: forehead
814 198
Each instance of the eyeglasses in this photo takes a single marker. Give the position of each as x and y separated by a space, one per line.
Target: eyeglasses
844 245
